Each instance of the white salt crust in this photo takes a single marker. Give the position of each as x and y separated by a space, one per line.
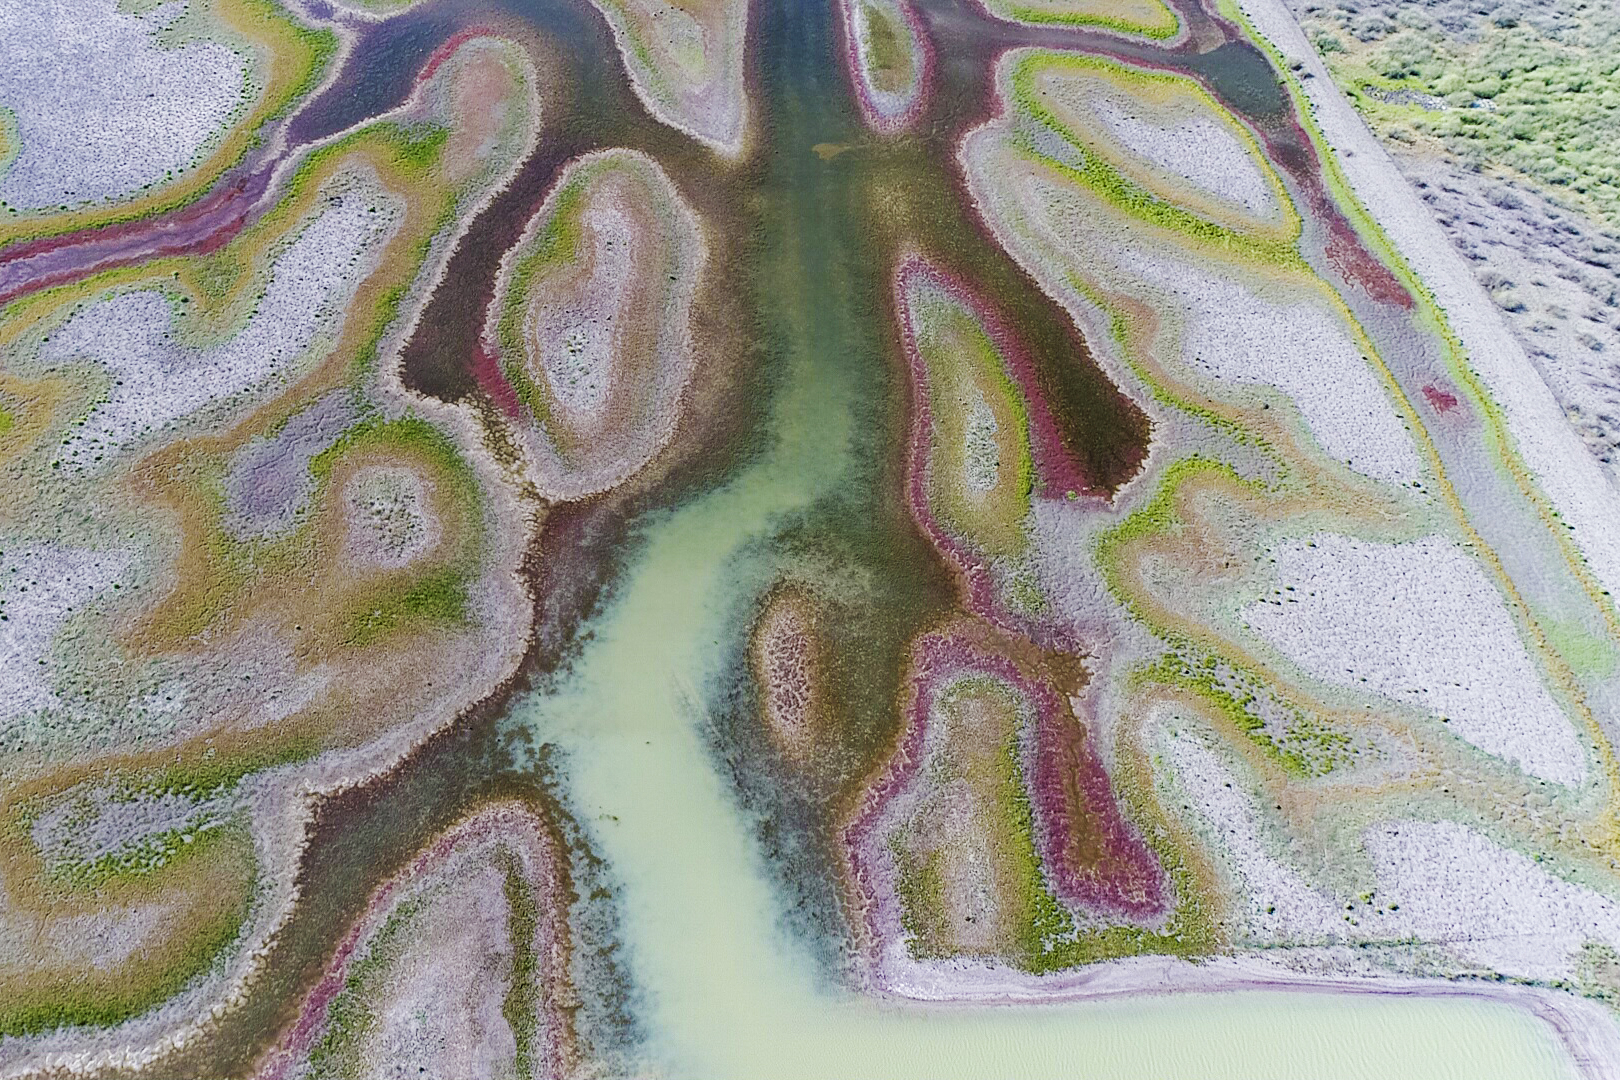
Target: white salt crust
1493 906
888 110
97 821
1303 349
390 519
1280 905
282 801
577 347
102 107
583 341
1233 334
1200 150
689 78
981 454
1570 477
1419 623
159 381
40 587
439 1004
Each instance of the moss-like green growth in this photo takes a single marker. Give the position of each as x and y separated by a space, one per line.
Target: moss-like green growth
556 244
350 1017
1152 19
1048 937
1097 174
921 889
1303 747
148 855
438 599
215 773
1157 516
888 50
78 1001
299 56
522 1005
437 596
966 375
198 780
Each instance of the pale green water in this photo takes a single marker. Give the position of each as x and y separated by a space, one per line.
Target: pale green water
729 993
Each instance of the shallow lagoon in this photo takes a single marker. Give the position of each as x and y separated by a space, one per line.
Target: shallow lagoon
726 992
721 984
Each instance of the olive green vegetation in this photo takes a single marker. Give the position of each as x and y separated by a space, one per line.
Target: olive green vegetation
198 780
1046 936
994 522
349 1016
145 856
1096 174
556 243
311 49
921 889
78 1001
522 1004
1304 748
888 50
1156 517
1166 26
438 599
1537 96
437 596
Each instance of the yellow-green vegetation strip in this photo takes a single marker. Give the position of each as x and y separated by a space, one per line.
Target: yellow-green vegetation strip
438 597
997 529
350 1017
1097 175
1166 27
306 50
78 1002
1496 426
888 49
1125 335
1048 939
1306 749
522 1004
1158 517
198 781
557 243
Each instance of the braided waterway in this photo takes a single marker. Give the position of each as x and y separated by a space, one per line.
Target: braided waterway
626 716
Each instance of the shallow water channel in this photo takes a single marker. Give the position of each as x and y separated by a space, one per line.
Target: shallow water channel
722 981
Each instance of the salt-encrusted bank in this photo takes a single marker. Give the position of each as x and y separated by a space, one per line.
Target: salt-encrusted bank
1290 651
260 646
1574 483
591 323
686 64
158 377
1420 624
890 61
105 101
